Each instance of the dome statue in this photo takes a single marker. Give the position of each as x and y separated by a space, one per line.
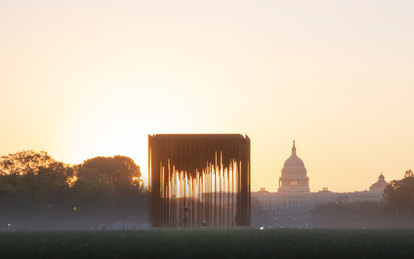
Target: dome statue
294 178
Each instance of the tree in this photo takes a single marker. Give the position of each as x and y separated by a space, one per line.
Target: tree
399 194
93 185
33 172
24 162
120 170
108 190
39 192
52 182
5 188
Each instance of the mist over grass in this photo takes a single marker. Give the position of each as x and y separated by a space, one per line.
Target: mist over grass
210 243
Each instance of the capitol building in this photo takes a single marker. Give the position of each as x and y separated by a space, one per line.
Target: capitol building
293 199
294 178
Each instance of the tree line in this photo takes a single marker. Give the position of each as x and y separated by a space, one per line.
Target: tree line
39 193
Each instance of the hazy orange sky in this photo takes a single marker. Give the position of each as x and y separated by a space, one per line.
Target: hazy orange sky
86 78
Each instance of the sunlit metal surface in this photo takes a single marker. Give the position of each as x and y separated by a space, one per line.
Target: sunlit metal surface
199 180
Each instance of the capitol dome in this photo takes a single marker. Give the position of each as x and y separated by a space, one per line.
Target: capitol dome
380 185
294 178
294 161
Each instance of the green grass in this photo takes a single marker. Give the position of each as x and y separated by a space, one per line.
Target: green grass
210 243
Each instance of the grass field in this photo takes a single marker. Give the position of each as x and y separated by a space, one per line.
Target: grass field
210 243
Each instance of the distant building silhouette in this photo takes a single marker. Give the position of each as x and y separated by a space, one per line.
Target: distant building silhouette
294 178
380 185
290 205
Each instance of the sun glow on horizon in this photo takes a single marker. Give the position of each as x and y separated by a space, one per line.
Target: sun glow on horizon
81 80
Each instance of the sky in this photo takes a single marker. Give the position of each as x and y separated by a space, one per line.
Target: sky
81 79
